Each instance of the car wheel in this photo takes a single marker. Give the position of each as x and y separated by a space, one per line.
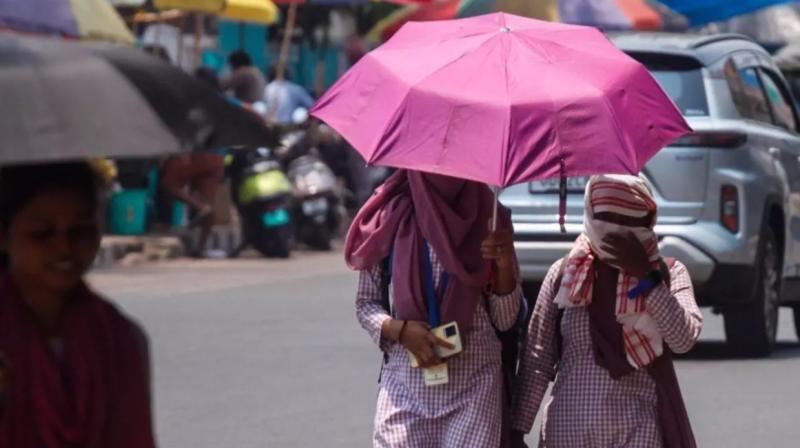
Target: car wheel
751 329
796 312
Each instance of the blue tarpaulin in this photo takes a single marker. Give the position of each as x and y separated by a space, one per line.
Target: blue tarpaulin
701 12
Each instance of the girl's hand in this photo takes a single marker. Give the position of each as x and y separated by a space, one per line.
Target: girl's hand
499 248
418 339
628 253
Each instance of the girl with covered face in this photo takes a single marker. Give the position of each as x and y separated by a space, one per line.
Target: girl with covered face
605 324
423 246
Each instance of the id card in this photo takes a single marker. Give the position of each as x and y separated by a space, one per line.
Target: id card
448 332
436 375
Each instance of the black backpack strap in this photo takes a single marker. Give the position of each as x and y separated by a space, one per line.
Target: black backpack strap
559 339
386 280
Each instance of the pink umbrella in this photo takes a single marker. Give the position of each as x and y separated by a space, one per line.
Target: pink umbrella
502 99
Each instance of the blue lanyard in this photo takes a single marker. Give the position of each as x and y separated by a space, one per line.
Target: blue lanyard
433 306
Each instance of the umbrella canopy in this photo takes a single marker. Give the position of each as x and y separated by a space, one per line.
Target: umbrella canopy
502 99
127 3
90 19
701 12
611 14
604 14
256 11
71 101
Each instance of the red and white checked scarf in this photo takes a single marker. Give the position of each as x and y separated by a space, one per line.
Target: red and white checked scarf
628 196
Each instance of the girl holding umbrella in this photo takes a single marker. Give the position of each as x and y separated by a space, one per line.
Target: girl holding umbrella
434 232
496 99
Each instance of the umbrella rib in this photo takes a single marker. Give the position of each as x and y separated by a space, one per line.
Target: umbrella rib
505 155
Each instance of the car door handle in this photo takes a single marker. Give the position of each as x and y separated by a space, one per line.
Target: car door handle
775 152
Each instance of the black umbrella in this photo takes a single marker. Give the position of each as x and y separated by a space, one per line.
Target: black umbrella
67 100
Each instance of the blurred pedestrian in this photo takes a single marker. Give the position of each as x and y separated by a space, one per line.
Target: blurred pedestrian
194 180
245 80
74 371
609 354
283 97
424 238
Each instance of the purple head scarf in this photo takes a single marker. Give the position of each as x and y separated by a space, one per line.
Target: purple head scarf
452 215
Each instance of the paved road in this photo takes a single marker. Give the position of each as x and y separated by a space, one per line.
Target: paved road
255 353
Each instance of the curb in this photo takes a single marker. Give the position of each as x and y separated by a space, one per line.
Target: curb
134 250
129 250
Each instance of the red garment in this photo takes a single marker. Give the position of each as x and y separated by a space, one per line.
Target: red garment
203 171
96 395
452 215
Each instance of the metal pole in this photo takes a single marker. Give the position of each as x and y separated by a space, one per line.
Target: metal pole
291 19
198 36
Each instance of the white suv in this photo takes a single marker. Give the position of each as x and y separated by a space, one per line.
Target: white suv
728 194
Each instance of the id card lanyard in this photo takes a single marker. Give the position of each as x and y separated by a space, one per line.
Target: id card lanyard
434 318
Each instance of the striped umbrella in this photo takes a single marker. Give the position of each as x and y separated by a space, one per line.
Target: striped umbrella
604 14
87 19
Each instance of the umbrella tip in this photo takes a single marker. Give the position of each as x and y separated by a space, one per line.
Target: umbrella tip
505 29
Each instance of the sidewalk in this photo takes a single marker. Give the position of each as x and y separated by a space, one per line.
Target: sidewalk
133 250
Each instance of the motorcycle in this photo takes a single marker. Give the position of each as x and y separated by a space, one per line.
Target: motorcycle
316 196
316 205
262 194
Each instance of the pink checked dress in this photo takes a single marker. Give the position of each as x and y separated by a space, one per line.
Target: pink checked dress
587 407
466 412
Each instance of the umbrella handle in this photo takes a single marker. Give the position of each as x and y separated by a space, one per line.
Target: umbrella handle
494 214
562 197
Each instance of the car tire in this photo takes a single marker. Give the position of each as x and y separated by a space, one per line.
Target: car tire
796 312
751 329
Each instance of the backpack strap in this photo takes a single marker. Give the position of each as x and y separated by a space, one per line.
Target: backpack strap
559 339
386 281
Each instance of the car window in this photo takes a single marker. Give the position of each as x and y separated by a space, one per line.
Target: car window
748 96
686 89
781 107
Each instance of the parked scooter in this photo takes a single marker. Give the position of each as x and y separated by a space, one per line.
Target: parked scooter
315 205
317 208
262 194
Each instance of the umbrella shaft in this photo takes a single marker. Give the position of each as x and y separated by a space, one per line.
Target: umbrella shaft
494 215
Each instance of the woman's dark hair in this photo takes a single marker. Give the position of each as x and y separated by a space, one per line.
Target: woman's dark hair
20 184
239 59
